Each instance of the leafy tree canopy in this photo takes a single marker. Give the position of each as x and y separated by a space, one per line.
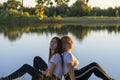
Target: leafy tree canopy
12 4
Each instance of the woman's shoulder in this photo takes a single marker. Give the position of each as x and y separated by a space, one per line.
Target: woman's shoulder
55 58
67 54
57 55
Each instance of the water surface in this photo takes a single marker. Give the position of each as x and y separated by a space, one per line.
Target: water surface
20 44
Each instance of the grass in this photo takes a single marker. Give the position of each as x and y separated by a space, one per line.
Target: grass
66 20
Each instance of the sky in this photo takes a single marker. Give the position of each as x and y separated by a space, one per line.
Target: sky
103 4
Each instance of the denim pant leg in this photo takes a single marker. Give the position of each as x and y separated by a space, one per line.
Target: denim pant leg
21 71
39 63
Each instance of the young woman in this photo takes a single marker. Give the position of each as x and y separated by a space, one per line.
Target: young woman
52 71
71 63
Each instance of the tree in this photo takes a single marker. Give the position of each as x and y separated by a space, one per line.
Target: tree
40 10
96 11
12 4
61 7
117 13
22 6
62 10
80 8
40 7
111 11
1 6
31 10
65 1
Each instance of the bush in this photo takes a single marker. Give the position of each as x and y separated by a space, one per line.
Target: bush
13 14
13 11
57 17
26 14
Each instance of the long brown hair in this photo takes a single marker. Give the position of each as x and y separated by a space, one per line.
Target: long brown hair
58 49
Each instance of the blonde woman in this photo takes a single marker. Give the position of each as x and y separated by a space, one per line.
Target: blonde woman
71 64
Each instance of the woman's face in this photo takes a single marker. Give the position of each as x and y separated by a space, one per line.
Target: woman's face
67 45
53 44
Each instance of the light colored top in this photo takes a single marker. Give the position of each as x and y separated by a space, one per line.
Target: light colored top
56 59
67 58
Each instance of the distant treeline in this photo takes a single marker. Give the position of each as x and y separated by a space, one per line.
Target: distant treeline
77 9
66 11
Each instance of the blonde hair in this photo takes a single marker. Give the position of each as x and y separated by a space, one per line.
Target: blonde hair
66 39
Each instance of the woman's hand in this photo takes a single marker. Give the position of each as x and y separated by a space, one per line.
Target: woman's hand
74 63
71 71
49 72
44 72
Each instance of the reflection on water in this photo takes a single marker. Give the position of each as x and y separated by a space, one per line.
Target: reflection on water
15 32
19 45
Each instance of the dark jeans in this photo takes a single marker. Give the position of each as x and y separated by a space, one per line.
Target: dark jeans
85 72
38 64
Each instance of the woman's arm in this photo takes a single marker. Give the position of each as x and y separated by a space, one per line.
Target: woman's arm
71 71
74 63
49 71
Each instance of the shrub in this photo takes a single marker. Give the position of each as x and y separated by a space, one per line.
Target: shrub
57 17
26 14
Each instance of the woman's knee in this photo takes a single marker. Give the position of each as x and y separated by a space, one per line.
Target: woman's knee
36 58
94 64
26 65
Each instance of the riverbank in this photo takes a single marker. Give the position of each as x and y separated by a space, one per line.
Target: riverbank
92 20
66 20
